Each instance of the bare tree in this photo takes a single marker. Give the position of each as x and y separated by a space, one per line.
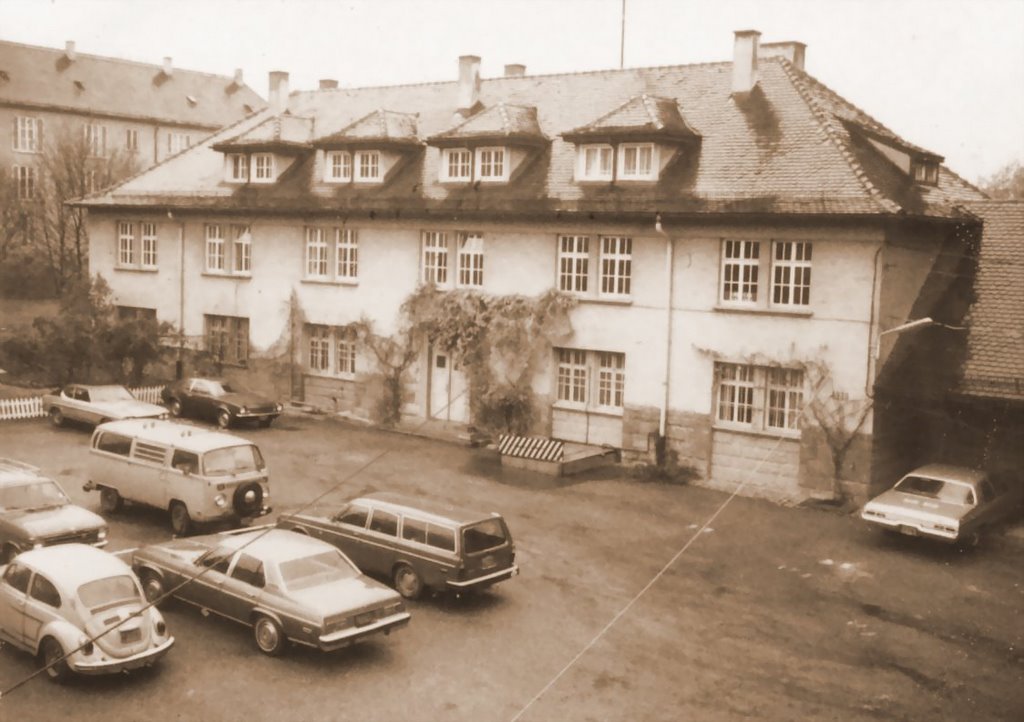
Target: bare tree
1007 183
839 417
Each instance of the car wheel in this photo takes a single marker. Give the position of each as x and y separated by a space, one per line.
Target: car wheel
174 407
51 658
971 540
57 417
269 636
223 418
247 499
153 588
266 421
110 500
408 582
7 555
181 522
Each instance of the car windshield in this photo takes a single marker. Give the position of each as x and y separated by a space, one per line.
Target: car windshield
316 569
110 393
40 494
483 536
950 492
102 594
232 460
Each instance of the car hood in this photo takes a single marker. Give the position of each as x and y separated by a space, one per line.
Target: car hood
248 399
180 552
129 409
910 506
345 595
65 519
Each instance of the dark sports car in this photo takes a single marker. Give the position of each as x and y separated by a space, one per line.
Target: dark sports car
217 400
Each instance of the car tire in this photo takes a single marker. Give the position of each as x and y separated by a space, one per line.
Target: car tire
247 499
110 500
8 553
174 406
51 659
269 636
265 423
223 418
57 417
181 522
153 588
407 582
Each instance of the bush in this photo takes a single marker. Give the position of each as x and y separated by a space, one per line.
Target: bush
669 472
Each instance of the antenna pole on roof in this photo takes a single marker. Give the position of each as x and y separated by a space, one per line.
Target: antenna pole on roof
622 38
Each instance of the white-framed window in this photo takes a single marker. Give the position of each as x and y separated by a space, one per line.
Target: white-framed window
616 265
330 351
791 273
759 398
456 164
338 166
215 248
177 142
319 348
227 338
735 393
241 249
590 379
131 140
435 257
262 168
637 161
125 243
28 134
741 264
573 263
238 167
491 164
572 376
92 180
345 357
785 398
926 171
611 379
316 253
346 253
594 162
471 259
25 181
137 245
95 139
367 166
149 242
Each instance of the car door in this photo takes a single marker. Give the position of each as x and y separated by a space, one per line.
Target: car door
242 588
74 400
379 542
41 608
13 592
348 533
205 590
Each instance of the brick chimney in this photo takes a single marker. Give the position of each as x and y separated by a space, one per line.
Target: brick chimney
515 70
791 50
469 82
744 61
168 66
328 84
69 50
278 96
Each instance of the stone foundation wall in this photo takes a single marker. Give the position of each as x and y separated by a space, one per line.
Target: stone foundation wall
688 434
817 471
338 395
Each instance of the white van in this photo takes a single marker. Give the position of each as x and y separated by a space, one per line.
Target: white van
197 475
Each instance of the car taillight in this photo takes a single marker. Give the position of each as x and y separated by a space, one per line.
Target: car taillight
161 628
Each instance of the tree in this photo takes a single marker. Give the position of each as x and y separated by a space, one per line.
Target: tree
1007 183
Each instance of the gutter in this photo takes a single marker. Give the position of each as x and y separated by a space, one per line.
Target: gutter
669 263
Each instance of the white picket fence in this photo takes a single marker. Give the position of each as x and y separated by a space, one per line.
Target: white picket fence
31 407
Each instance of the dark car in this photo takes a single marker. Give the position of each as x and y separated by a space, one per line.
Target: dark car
217 400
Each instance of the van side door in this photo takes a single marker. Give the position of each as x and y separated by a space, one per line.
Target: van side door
148 473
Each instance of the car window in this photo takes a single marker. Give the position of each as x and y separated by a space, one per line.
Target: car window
185 461
317 569
17 576
108 592
249 570
81 395
43 590
112 393
40 494
441 537
945 491
150 452
384 522
483 536
114 443
217 560
232 460
414 530
354 515
985 491
68 391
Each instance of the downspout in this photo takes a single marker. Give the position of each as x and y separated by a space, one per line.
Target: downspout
669 278
179 366
872 339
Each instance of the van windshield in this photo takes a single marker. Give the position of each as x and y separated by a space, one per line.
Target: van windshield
483 536
232 460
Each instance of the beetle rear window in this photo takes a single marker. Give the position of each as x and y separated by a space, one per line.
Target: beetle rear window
110 592
483 536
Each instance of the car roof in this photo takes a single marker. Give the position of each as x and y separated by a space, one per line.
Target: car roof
71 565
97 386
273 545
949 472
14 472
174 433
423 507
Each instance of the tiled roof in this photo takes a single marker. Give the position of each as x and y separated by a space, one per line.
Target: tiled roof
275 132
995 340
785 147
380 126
90 84
517 123
642 115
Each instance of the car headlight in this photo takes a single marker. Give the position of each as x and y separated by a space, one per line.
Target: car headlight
243 410
220 500
278 407
102 533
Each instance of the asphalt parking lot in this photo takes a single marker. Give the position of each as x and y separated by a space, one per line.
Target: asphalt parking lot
770 613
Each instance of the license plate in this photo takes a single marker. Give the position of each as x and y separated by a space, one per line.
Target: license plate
908 530
365 618
489 563
131 635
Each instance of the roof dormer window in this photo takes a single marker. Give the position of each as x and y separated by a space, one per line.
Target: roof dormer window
638 161
926 171
367 163
491 165
456 165
262 167
338 166
594 163
238 167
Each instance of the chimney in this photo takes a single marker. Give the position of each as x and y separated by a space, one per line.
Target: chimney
515 70
744 61
278 96
237 81
469 82
69 50
168 66
328 84
791 50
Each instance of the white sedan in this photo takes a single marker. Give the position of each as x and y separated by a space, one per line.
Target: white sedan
97 404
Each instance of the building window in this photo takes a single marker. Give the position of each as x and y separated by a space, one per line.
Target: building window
471 259
262 167
337 261
595 163
926 171
367 166
131 140
573 263
456 164
338 166
490 164
177 142
572 376
611 379
28 134
125 244
238 167
346 252
740 265
346 357
331 351
637 161
616 265
435 257
95 139
242 249
791 273
92 180
148 236
135 313
319 348
735 393
785 398
316 253
215 248
759 398
577 370
25 180
227 339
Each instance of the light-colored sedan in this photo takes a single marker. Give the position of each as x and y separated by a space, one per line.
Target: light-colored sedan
94 405
948 503
79 609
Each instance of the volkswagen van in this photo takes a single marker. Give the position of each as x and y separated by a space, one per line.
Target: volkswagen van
197 475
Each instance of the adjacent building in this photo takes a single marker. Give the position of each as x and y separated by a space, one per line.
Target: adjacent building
744 247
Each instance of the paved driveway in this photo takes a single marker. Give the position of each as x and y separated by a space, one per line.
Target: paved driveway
771 613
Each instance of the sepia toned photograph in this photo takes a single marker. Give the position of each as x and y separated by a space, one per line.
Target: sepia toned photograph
511 360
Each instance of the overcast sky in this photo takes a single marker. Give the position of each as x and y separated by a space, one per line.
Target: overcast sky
945 74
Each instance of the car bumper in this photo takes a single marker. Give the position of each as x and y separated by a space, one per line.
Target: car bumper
221 515
258 415
112 666
484 581
337 640
911 527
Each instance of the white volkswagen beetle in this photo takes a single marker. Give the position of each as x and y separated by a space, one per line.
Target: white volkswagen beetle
54 601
